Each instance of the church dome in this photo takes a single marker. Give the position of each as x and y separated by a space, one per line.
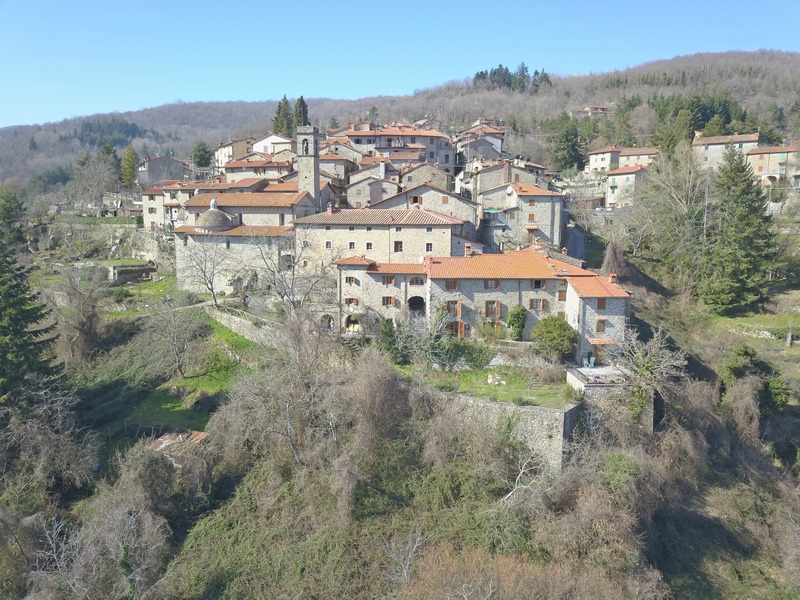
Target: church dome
213 220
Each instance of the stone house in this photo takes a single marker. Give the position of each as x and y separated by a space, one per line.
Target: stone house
338 166
257 165
227 151
629 157
153 215
429 197
400 138
151 170
425 173
711 150
774 165
391 235
267 208
603 159
369 190
478 289
519 215
341 146
484 140
480 177
621 183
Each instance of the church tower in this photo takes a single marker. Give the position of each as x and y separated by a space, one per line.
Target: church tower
308 162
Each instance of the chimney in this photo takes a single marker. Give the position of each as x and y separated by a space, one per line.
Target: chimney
612 278
564 251
467 249
330 208
367 204
507 171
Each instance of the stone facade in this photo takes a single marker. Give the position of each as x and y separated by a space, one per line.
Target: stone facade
546 431
711 150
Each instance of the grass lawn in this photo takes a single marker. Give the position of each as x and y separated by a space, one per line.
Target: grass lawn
595 248
519 388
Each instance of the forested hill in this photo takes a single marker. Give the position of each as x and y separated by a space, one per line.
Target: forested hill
765 83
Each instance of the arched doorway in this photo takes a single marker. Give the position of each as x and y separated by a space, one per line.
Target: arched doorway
327 323
352 325
416 304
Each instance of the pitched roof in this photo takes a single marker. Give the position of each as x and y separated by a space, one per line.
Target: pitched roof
247 162
606 150
627 170
639 151
389 216
438 190
254 199
519 264
242 231
528 189
153 192
597 287
769 150
725 139
376 267
332 156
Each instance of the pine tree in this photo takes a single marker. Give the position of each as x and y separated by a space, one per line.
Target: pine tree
25 334
300 115
282 121
742 250
202 155
129 161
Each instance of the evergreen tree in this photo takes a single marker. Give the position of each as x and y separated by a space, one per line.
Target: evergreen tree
714 127
567 150
334 123
12 212
300 118
742 250
282 121
25 334
109 154
202 155
372 114
129 161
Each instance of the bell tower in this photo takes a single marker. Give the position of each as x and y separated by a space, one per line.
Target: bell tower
308 162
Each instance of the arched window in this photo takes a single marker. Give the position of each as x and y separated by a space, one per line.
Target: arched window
416 281
305 146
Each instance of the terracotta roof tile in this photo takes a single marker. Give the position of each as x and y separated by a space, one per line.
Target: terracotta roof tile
265 199
606 150
520 264
627 170
639 151
243 231
525 189
597 287
769 150
390 216
726 139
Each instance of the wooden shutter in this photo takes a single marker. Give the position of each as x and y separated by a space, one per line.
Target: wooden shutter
544 305
458 310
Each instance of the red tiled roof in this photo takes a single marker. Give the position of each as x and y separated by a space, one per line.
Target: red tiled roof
627 170
519 264
606 150
389 216
354 260
265 199
247 162
153 192
242 231
332 156
639 151
376 267
725 139
438 190
526 189
597 287
769 150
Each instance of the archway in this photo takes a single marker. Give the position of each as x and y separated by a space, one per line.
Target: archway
352 325
416 304
327 323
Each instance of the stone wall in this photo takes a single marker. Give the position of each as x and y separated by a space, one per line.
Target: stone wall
254 329
547 431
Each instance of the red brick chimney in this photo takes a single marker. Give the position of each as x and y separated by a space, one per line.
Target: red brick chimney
612 278
330 208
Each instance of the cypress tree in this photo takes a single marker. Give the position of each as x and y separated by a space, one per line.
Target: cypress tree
25 333
282 121
300 115
742 250
129 161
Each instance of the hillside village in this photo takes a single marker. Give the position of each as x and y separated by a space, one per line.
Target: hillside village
407 220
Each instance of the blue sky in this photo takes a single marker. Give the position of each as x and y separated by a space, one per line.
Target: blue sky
61 58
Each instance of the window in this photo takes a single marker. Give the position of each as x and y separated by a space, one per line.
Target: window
410 178
512 216
538 304
413 140
186 240
601 303
351 228
305 243
531 202
358 191
491 284
429 247
601 326
416 281
398 246
388 301
151 210
368 246
516 177
227 244
369 228
446 158
398 229
451 284
531 217
493 309
454 308
416 200
351 246
358 140
432 141
429 230
327 227
445 199
350 279
328 245
387 280
562 295
430 154
351 301
536 284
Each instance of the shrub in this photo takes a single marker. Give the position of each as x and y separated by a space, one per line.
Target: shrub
554 336
516 321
